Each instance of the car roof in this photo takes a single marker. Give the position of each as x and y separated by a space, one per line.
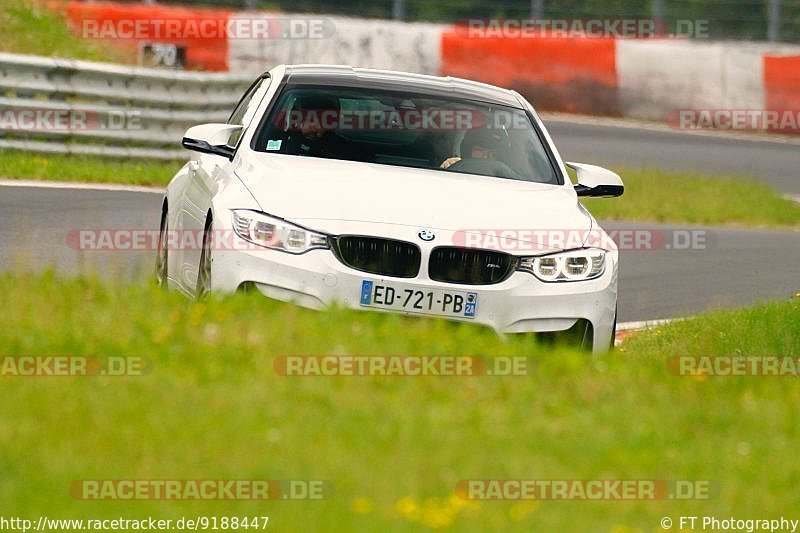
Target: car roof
445 86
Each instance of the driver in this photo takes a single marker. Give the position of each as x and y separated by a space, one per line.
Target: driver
477 144
309 137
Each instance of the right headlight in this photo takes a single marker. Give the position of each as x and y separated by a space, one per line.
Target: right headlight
575 265
276 233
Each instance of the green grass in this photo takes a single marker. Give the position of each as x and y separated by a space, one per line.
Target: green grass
30 28
655 196
212 407
55 167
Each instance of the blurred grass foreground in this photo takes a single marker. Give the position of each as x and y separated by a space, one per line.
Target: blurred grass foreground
211 405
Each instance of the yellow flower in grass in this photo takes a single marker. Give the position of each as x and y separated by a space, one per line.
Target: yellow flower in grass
458 503
437 513
196 314
407 508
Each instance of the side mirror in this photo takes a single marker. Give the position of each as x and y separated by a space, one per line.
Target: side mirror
211 139
597 181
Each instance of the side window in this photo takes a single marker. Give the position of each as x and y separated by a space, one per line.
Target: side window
247 106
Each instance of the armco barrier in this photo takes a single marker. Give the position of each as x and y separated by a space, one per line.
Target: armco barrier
127 111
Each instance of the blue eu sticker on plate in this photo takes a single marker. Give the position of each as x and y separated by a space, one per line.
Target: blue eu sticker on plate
471 305
366 292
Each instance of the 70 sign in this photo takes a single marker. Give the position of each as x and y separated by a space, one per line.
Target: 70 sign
162 55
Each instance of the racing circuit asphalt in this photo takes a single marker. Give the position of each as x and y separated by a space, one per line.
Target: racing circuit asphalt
617 143
738 266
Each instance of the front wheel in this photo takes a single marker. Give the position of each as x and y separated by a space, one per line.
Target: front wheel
580 337
162 259
613 331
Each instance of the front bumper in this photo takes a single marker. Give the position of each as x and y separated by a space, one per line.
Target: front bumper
520 304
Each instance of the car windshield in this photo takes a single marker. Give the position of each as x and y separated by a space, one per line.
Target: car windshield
411 130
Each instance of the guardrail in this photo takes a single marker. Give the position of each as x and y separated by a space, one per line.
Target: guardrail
79 107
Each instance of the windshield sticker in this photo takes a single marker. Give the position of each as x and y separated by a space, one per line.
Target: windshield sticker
274 145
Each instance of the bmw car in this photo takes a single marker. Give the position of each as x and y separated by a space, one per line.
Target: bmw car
395 192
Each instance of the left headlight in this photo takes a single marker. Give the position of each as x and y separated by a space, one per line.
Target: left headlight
278 234
575 265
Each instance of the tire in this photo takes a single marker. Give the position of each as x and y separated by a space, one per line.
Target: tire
204 269
613 331
162 252
580 336
587 339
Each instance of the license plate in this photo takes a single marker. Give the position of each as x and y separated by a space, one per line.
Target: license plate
416 300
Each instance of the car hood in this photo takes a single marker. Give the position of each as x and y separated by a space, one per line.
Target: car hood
335 196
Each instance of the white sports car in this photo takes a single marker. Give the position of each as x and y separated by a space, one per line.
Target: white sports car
397 192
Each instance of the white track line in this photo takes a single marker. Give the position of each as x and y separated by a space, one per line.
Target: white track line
645 324
79 185
792 197
641 325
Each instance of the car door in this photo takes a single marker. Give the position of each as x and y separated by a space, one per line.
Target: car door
207 175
